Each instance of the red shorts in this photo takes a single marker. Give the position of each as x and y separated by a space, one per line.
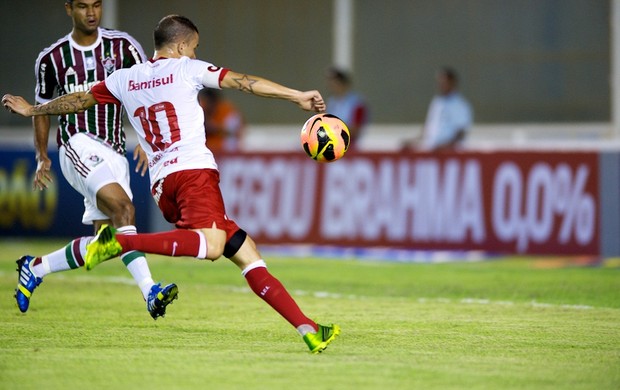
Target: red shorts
192 199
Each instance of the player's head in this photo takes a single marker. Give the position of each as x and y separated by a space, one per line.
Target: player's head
86 14
177 35
338 80
447 80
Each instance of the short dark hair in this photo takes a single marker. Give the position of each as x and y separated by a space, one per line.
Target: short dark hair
338 74
450 73
172 28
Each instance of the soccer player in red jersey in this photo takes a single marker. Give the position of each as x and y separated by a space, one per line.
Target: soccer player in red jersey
160 97
91 149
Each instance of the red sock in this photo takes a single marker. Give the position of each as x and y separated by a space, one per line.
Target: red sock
173 243
273 292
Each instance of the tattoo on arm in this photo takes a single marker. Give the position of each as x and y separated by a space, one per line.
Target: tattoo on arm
245 83
66 104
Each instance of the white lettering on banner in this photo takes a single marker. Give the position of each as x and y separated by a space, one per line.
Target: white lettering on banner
405 201
576 206
471 204
357 201
273 197
451 203
529 215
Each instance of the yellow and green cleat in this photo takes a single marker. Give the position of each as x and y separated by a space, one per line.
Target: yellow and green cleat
103 247
318 341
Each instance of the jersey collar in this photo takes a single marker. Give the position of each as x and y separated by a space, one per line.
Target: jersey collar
86 48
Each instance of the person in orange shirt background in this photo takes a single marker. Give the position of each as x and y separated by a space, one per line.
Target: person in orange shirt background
224 123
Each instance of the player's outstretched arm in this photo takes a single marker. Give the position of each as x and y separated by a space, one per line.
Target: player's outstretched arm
308 100
66 104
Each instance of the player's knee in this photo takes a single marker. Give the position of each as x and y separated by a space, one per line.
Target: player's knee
114 202
123 213
246 254
216 241
215 249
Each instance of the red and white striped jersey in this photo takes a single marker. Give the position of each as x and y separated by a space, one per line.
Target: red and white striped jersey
67 67
161 99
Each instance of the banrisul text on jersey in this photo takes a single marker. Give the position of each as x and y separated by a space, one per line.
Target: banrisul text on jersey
138 85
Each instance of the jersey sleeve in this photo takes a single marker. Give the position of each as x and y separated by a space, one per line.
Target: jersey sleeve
212 76
133 53
46 82
103 95
205 74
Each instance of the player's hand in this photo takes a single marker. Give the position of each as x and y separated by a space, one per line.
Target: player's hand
142 165
43 175
17 104
312 101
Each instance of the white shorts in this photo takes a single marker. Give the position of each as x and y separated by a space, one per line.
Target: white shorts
88 164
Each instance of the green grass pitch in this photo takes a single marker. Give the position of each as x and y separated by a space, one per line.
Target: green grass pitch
489 325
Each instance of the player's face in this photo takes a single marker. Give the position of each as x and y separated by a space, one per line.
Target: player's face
86 15
444 84
188 48
335 86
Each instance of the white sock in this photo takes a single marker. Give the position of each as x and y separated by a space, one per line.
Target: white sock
71 256
41 269
137 265
304 329
138 268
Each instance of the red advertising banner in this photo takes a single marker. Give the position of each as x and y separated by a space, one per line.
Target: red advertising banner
504 202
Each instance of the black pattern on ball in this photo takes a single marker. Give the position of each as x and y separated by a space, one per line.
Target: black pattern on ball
323 138
331 116
345 138
307 150
328 153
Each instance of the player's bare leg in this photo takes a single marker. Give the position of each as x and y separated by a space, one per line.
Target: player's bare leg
113 201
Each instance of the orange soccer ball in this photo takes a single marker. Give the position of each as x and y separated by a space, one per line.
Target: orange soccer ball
325 137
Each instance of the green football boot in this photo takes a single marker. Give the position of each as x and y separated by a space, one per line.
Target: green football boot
103 247
318 341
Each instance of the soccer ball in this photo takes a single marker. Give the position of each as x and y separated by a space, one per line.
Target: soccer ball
325 137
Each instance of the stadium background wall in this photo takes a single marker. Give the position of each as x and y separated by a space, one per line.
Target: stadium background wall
536 71
519 61
521 202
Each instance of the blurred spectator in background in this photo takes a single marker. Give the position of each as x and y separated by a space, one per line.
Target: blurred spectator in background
346 104
224 123
449 117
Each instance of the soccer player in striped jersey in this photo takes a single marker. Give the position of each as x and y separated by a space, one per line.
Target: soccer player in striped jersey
161 99
91 148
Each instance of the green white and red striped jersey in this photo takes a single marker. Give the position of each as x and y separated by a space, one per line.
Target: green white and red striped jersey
67 67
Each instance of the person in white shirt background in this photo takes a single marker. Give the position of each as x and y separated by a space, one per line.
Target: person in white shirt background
449 117
347 104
